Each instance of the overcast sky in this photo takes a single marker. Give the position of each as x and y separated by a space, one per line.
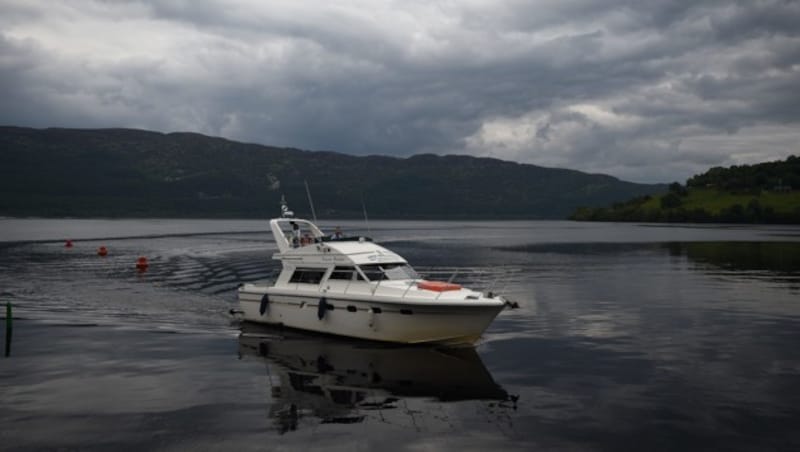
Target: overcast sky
646 90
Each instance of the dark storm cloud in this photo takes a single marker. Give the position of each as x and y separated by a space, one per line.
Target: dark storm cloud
648 90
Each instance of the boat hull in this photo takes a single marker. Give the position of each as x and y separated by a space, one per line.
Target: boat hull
408 323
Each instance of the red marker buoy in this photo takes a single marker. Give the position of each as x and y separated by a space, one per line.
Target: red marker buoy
141 264
68 244
102 251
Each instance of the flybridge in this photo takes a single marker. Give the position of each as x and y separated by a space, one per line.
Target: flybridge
318 247
298 238
291 233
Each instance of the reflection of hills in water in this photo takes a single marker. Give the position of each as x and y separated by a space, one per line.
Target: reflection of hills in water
776 257
770 256
335 380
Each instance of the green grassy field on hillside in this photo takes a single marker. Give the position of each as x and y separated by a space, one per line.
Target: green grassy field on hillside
761 193
703 205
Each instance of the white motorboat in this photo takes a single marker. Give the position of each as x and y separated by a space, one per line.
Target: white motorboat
356 288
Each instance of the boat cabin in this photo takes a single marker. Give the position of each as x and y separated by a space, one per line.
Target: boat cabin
343 277
309 257
348 273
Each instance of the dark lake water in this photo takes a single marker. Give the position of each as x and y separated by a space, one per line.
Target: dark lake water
629 337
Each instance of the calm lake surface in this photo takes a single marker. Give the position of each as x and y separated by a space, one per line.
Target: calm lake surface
629 337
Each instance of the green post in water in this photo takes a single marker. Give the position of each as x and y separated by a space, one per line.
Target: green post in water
8 328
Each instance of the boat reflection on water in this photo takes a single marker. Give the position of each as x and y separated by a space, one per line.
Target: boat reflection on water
326 379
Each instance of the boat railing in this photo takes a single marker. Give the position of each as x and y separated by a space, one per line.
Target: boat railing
374 289
466 275
410 285
493 280
439 274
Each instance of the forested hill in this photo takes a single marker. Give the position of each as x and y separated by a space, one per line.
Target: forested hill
781 175
763 193
134 173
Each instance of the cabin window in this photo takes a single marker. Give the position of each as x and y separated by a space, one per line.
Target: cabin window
373 272
343 273
307 275
398 271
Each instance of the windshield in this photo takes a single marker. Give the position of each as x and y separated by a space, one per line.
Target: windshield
378 272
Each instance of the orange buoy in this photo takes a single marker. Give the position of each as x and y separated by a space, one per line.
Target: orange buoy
141 264
102 251
68 244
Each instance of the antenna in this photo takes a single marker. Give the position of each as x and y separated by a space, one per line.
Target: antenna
366 220
310 202
285 212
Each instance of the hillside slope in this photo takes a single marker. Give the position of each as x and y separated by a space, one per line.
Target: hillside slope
130 173
763 193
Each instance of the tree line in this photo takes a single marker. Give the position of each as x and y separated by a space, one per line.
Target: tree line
762 193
